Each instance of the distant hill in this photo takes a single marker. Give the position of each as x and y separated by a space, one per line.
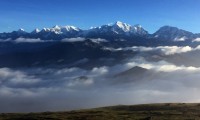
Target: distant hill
165 111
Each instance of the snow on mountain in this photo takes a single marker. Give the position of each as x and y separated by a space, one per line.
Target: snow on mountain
61 29
35 31
116 31
138 29
21 31
58 32
70 28
45 30
123 26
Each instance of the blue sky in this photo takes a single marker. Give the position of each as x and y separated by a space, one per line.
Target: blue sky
151 14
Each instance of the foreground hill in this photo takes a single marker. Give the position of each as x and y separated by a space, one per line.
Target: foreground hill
167 111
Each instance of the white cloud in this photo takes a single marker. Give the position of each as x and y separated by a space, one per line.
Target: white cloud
196 40
78 39
9 76
28 40
5 40
100 71
69 86
80 81
161 66
166 50
98 40
180 38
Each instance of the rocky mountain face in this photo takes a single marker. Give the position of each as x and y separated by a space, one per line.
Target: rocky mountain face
174 34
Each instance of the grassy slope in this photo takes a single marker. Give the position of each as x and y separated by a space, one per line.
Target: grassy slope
166 111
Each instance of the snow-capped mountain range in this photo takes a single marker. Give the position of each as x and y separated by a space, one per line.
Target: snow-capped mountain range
109 44
118 30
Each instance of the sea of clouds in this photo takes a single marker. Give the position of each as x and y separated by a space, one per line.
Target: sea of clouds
60 88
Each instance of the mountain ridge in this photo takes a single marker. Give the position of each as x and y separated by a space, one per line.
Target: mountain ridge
118 30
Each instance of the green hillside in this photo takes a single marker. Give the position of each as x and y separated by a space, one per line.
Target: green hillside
167 111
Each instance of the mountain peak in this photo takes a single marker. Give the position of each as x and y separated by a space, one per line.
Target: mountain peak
45 30
68 28
167 27
125 27
173 33
21 30
35 31
119 23
138 26
56 27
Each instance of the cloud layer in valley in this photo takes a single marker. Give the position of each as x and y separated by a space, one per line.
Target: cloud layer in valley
49 89
166 50
145 75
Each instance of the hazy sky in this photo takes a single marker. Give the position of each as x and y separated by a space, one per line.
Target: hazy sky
151 14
